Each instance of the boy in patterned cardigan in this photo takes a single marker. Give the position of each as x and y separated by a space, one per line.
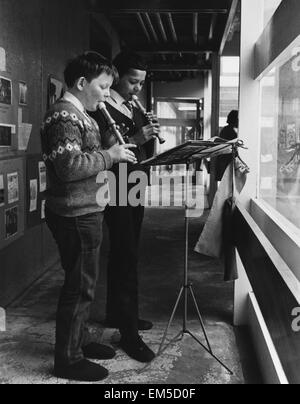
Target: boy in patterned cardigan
74 156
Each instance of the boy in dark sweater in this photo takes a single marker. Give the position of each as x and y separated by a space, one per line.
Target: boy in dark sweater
125 222
74 156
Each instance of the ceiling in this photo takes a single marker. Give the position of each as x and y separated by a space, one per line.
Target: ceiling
177 37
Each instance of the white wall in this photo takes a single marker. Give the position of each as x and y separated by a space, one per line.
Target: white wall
249 115
283 235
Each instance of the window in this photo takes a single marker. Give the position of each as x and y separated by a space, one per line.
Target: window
180 121
270 7
229 87
280 138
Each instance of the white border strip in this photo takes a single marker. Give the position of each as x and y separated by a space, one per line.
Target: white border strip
284 224
284 235
270 363
285 272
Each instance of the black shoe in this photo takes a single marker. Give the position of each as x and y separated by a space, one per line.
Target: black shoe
98 351
83 371
143 325
137 350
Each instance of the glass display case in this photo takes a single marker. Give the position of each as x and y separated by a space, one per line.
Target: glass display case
280 137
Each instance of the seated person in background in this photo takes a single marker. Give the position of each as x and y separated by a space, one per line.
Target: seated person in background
230 132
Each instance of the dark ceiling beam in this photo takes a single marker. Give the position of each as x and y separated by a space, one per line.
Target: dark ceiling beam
158 10
162 32
195 28
151 27
212 26
161 27
173 31
160 6
172 27
169 50
230 20
141 22
159 77
212 30
178 68
152 30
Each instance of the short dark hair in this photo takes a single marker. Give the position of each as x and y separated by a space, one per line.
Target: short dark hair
233 117
125 61
89 65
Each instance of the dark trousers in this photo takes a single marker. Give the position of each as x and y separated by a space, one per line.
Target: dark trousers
79 240
124 225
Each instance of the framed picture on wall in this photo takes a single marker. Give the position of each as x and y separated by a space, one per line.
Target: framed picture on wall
33 195
5 91
13 187
12 200
43 207
11 222
2 195
42 176
55 90
6 132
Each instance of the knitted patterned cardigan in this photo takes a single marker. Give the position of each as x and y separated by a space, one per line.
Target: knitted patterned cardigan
73 154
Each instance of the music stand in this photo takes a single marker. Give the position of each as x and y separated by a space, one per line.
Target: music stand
187 154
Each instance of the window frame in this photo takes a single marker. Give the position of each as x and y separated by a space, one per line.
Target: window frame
271 50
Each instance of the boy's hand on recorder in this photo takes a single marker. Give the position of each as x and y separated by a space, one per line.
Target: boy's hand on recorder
152 117
122 154
146 133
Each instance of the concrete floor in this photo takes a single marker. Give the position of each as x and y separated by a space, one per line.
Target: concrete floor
26 349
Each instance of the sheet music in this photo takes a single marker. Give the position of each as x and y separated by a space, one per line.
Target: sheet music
191 150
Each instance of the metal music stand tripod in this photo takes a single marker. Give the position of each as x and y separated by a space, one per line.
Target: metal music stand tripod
187 287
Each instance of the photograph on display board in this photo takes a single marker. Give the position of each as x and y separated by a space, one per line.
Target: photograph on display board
2 59
13 187
2 201
55 90
42 176
43 208
5 91
11 222
5 135
33 195
23 93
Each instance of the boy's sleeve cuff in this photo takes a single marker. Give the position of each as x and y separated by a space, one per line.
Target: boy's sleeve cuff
107 159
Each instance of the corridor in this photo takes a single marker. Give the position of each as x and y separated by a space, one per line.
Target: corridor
26 349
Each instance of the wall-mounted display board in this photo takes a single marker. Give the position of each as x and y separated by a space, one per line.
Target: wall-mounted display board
36 186
7 127
16 112
11 200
